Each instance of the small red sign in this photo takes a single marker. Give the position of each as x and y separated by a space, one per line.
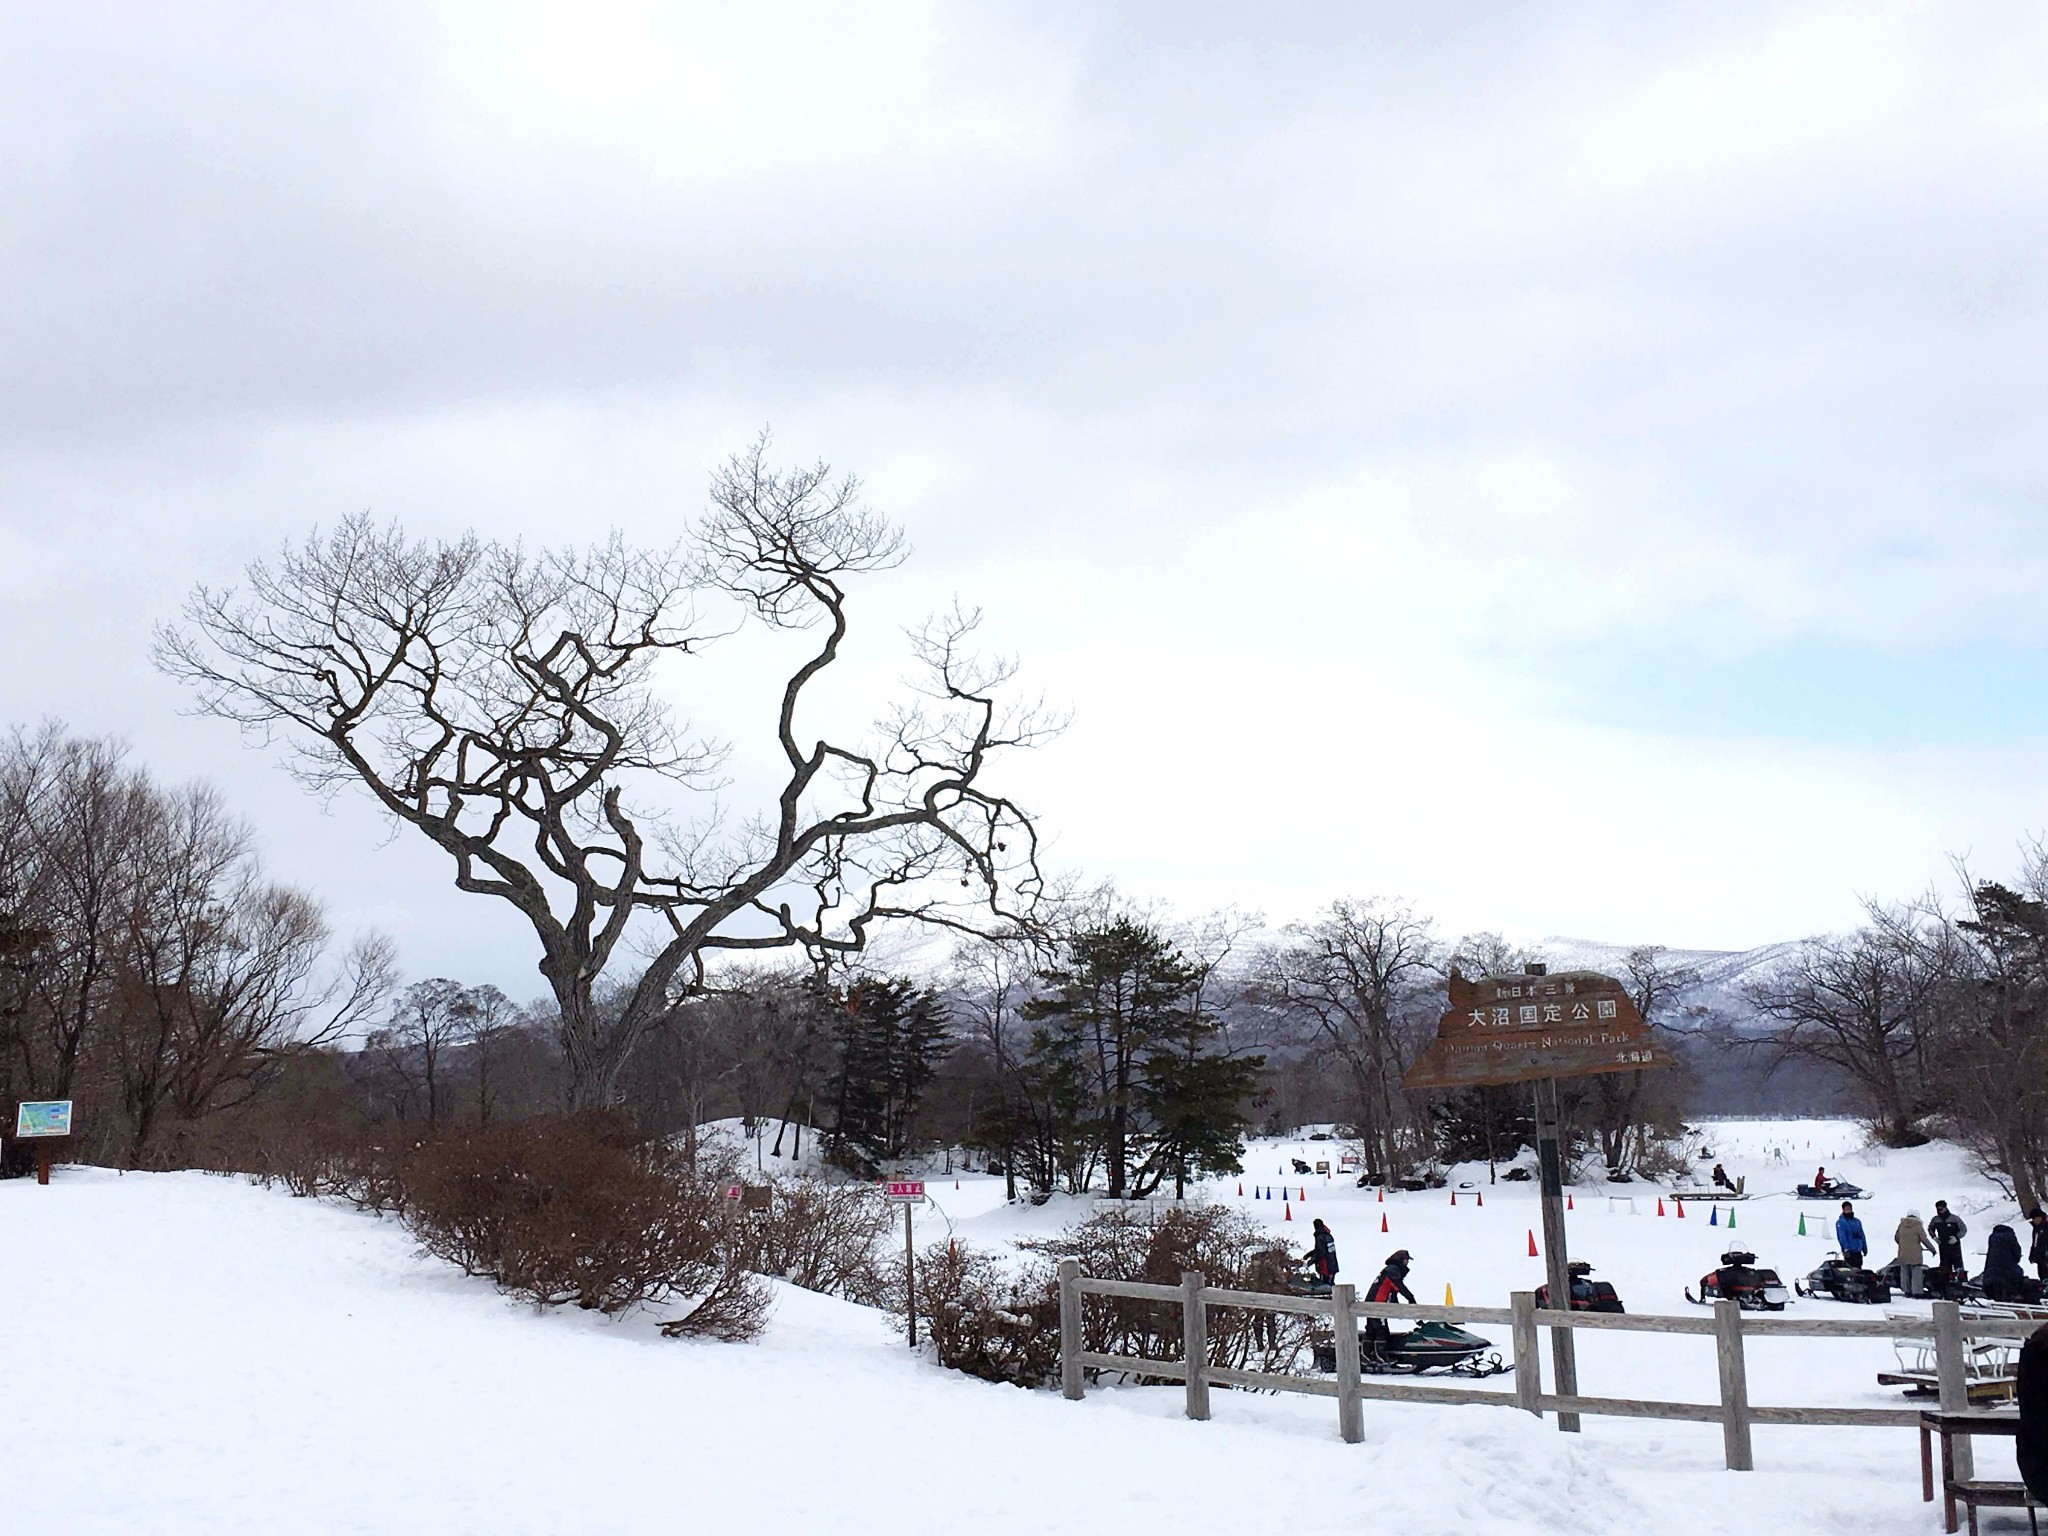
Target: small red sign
903 1189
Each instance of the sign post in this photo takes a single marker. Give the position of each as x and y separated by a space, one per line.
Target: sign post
42 1121
907 1193
1536 1028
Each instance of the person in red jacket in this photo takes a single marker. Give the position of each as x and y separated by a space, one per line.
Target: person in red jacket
1392 1285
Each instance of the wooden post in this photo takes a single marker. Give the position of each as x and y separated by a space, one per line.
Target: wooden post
1070 1329
42 1162
1557 1271
1350 1406
1194 1327
1528 1358
1734 1386
909 1276
1951 1377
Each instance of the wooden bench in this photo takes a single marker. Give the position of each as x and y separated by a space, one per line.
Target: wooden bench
1969 1492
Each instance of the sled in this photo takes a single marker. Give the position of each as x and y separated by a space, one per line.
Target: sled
1712 1192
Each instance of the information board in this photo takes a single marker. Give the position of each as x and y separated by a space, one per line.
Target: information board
42 1117
1516 1029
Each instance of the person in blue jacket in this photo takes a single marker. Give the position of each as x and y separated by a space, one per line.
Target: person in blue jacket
1849 1237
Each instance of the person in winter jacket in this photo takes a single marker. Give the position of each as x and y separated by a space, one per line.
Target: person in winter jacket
1820 1181
1392 1285
2032 1391
2002 1279
1913 1250
2037 1246
1947 1230
1721 1179
1322 1257
1849 1237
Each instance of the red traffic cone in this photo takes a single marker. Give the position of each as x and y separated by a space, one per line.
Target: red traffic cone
1286 1212
1383 1221
1480 1198
1383 1194
1240 1186
1532 1242
1304 1197
1567 1202
1660 1205
1454 1197
956 1183
1681 1209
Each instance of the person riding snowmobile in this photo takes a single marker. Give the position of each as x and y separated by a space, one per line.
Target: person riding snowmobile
1391 1286
1947 1230
1322 1258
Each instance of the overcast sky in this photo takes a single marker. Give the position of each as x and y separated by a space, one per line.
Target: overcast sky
1579 468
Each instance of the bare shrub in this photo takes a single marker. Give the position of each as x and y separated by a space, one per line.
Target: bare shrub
1001 1322
823 1237
987 1319
578 1210
1155 1247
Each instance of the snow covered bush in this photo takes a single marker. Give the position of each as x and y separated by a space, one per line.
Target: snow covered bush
1001 1322
1156 1246
988 1319
579 1209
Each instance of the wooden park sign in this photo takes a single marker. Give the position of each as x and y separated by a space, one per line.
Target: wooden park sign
1517 1029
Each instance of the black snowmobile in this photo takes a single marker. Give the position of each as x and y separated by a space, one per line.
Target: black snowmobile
1847 1282
1588 1295
1300 1166
1740 1280
1428 1346
1834 1189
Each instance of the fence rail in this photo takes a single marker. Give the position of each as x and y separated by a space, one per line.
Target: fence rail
1728 1327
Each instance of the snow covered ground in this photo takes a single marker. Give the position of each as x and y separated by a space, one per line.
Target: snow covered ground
192 1353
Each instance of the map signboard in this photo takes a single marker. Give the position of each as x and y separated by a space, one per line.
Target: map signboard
1514 1029
44 1117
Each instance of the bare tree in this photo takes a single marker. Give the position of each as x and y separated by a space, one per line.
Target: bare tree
1866 1005
504 705
1622 1104
1355 975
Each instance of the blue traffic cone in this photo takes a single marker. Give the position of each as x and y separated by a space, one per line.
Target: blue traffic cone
1713 1216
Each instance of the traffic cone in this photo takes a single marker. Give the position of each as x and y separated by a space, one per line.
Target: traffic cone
1286 1212
1713 1215
1240 1186
1731 1218
1802 1223
956 1183
1660 1205
1447 1295
1567 1202
1304 1197
1681 1210
1480 1198
1454 1197
1383 1194
1532 1242
1383 1221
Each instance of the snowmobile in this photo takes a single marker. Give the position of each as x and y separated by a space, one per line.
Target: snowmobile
1299 1165
1740 1280
1834 1189
1587 1295
1428 1346
1846 1282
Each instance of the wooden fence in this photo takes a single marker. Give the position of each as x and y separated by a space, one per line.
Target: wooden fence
1727 1325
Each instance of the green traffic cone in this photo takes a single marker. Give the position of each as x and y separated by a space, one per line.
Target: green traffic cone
1802 1223
1731 1218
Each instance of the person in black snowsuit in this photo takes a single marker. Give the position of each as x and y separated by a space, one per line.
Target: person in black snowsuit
2032 1391
2037 1246
2002 1279
1947 1230
1721 1179
1322 1258
1392 1285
